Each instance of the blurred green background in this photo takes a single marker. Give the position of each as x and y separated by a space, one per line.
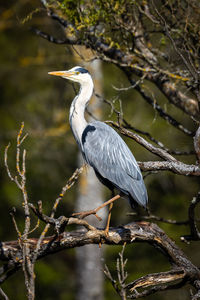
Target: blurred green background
29 94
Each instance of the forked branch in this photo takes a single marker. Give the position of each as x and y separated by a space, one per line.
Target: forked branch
182 268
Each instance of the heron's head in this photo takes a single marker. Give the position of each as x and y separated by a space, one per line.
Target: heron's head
77 74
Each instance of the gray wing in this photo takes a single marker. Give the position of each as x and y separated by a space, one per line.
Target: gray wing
109 155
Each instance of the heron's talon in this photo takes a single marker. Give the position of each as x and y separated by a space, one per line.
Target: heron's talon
106 232
99 218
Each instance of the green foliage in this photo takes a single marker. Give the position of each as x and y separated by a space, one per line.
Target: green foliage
104 17
70 9
115 22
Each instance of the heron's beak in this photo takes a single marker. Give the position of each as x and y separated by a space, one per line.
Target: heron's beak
61 73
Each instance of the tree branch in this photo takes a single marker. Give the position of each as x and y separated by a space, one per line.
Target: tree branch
176 167
126 59
130 233
155 150
157 279
194 232
52 39
197 144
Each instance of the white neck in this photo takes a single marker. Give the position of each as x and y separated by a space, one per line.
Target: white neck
76 116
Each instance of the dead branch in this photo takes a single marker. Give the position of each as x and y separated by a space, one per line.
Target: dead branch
156 278
127 125
119 285
3 295
182 267
158 151
54 40
194 232
28 260
146 57
20 180
173 166
156 282
197 144
48 220
160 111
151 217
59 224
23 253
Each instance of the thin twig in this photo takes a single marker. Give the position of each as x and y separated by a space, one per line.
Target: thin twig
158 151
194 232
59 223
15 224
27 265
119 285
151 217
124 89
4 296
68 185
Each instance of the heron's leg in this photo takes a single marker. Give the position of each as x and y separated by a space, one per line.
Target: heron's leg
108 220
84 214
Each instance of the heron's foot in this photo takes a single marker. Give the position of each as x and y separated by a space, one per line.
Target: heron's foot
105 232
84 214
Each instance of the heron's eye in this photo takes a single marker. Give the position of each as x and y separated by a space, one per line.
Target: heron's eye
77 73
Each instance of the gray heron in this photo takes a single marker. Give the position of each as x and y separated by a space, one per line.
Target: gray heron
101 146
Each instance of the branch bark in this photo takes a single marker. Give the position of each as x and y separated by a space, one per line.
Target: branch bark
197 144
182 267
176 167
147 62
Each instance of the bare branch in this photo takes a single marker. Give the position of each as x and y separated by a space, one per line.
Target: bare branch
188 104
197 144
131 86
197 286
54 40
157 151
194 232
119 285
151 217
127 125
157 279
163 114
27 265
12 213
130 233
39 213
125 59
59 224
4 296
176 167
166 28
157 288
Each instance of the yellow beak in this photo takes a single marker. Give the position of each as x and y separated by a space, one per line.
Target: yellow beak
61 73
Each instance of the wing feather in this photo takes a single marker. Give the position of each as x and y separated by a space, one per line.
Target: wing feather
109 155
